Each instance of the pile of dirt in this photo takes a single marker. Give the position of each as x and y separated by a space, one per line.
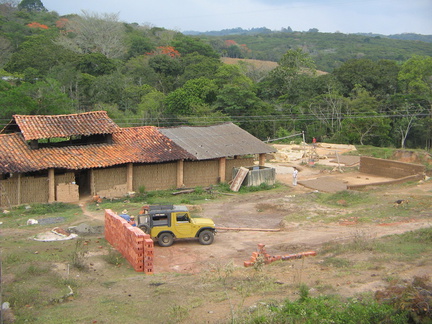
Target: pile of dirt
412 156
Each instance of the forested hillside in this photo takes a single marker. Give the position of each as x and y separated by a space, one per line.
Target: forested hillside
328 50
377 91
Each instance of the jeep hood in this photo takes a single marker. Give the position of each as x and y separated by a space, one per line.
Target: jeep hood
203 222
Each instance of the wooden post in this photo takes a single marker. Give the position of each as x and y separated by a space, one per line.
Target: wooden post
180 173
92 183
51 186
222 169
19 189
129 180
262 159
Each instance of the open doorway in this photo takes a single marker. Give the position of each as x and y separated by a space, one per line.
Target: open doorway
82 179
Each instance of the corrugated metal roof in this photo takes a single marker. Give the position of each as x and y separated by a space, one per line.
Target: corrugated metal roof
210 142
35 127
131 145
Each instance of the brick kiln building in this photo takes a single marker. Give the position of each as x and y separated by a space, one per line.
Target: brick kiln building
64 157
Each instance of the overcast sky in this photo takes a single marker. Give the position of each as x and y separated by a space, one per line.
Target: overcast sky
346 16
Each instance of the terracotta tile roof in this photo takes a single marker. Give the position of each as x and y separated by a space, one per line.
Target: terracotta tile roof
147 144
154 146
131 145
49 126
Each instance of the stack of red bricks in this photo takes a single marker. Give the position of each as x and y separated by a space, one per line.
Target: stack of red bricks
267 258
136 246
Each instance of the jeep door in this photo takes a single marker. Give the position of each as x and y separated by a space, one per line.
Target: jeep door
182 224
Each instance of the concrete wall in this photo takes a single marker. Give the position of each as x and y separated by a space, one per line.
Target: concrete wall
388 168
258 175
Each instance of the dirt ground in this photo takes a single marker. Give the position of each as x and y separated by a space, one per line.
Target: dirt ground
176 267
266 210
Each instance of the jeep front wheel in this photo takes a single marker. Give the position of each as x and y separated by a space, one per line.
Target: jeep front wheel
206 237
166 239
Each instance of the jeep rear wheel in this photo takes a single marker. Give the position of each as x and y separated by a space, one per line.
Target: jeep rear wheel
145 229
166 239
206 237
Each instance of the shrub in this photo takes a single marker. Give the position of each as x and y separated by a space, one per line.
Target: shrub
331 309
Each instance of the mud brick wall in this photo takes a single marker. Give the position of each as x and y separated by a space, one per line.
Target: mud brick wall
28 190
64 178
201 173
67 192
388 168
110 182
155 176
136 246
236 163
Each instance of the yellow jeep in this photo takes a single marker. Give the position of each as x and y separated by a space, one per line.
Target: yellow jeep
169 222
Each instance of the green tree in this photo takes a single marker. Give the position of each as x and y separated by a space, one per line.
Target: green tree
41 97
41 53
31 5
197 65
406 118
231 75
416 75
141 72
363 123
280 80
416 79
167 71
96 64
188 45
14 100
109 88
138 45
151 110
379 78
329 109
196 92
244 108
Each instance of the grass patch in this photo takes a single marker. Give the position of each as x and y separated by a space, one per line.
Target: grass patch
18 216
376 152
410 245
114 258
329 309
166 197
345 198
337 262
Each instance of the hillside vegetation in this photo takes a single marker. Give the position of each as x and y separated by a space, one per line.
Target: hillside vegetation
328 50
372 90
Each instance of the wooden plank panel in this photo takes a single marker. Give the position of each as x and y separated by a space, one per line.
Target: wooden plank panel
238 180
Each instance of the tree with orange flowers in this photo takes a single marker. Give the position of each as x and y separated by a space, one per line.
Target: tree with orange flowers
37 25
165 50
